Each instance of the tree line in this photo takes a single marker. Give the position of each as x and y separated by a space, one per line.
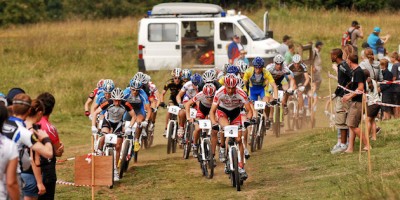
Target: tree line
33 11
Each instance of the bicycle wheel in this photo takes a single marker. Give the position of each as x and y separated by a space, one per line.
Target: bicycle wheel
300 120
110 152
188 141
175 141
236 168
208 164
123 161
291 118
170 140
145 141
277 122
135 156
150 138
253 138
260 138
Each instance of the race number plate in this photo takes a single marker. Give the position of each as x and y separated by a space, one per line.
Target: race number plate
231 131
259 105
174 110
280 94
193 113
205 124
111 138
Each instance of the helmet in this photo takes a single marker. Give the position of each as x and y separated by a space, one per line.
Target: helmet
177 72
296 58
135 84
108 85
258 62
186 73
209 89
240 83
117 94
242 66
209 76
100 83
230 80
278 59
196 79
226 67
140 76
232 69
146 79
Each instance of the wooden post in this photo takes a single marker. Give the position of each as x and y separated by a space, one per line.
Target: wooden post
361 128
367 137
93 154
330 99
311 102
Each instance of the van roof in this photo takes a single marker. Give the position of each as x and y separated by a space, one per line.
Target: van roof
186 9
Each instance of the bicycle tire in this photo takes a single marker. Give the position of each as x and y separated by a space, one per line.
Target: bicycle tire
300 120
235 160
175 141
150 138
110 152
277 123
124 158
135 156
209 162
253 138
188 141
170 140
291 118
260 139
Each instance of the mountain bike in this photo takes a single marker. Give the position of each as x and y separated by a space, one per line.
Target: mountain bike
126 153
172 129
293 114
278 115
205 155
233 156
258 130
110 140
143 139
187 140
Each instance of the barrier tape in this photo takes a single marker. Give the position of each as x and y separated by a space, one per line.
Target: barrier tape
71 184
65 160
389 82
377 103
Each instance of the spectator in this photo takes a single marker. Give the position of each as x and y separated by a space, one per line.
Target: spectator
242 57
49 165
283 48
3 100
386 89
355 109
372 108
341 108
394 57
234 49
355 32
289 54
8 163
317 66
375 42
371 65
12 93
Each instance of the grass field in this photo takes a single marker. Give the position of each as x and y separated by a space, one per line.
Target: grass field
68 58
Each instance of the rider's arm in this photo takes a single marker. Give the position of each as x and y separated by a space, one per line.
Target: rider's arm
179 96
88 101
187 108
157 95
94 105
249 110
95 113
148 110
307 81
212 113
269 80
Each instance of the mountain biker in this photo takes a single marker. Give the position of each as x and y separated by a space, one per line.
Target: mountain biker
115 107
210 76
301 79
154 101
243 66
186 74
102 95
139 101
279 71
231 69
259 80
188 91
225 110
204 100
174 85
92 95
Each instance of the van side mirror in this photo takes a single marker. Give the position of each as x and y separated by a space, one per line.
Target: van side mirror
269 34
243 39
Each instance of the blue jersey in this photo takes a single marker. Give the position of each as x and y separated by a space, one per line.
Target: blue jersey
138 101
100 97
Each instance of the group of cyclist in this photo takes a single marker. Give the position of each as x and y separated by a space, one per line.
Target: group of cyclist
223 96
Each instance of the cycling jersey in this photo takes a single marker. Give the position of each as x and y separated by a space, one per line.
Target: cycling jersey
230 102
115 113
94 93
137 102
174 88
153 89
278 75
257 84
100 97
299 72
204 105
190 90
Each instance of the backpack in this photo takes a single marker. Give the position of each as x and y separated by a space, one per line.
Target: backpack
346 38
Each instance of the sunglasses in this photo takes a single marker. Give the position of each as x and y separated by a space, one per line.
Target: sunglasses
176 78
135 90
231 88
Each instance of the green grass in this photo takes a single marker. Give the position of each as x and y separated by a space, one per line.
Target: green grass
68 58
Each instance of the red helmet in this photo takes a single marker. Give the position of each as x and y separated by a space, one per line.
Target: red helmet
209 90
230 80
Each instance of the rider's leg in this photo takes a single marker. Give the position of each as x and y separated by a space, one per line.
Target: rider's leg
104 130
118 150
239 141
196 133
139 119
214 140
153 114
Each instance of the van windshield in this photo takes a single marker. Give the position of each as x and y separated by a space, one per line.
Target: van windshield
252 29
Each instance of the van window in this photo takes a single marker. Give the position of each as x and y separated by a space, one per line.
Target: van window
228 30
167 32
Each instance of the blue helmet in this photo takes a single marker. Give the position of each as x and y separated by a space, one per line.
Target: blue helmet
196 79
135 84
232 69
186 74
258 62
108 85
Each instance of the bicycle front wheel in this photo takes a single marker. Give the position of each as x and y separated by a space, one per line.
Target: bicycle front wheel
123 162
208 164
235 172
110 152
170 140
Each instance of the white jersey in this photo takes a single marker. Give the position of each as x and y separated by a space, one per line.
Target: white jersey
202 98
8 151
230 102
278 73
189 89
152 88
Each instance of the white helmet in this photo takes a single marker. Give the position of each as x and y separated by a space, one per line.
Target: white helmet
279 59
296 58
117 94
140 76
209 76
242 65
226 67
177 72
240 83
146 79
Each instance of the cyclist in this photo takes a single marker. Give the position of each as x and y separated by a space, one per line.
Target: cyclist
92 95
188 91
174 85
141 77
204 100
102 96
242 67
259 80
225 110
231 69
210 76
154 101
186 74
279 72
138 99
115 107
301 79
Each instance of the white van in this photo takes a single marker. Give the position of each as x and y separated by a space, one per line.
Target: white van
196 35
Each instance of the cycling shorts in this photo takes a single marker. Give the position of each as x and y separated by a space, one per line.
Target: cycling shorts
138 111
114 127
257 91
202 111
233 116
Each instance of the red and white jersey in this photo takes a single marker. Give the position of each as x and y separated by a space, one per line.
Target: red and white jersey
201 97
152 88
230 102
189 89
